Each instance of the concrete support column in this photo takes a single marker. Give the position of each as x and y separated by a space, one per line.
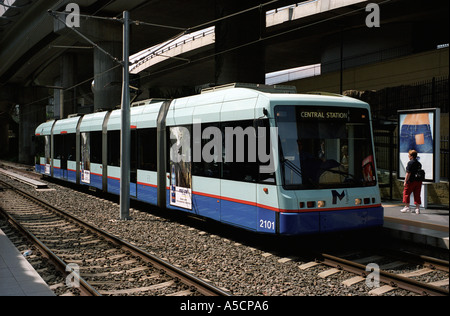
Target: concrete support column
68 79
107 83
32 114
6 105
57 99
4 127
236 60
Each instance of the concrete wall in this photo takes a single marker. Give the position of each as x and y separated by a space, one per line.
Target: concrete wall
401 71
437 193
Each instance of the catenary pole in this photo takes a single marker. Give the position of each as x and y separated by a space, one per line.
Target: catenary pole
125 135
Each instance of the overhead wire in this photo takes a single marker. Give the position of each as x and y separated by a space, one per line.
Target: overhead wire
116 19
262 39
2 3
199 26
115 59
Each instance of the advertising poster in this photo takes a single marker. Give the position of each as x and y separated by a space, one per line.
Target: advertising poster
180 168
85 158
419 130
47 155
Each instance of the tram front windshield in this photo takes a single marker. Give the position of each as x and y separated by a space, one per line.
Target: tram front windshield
325 147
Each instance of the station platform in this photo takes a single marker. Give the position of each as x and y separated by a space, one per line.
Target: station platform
17 276
430 227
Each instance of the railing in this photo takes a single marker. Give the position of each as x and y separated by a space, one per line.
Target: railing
335 65
426 94
288 7
158 50
293 74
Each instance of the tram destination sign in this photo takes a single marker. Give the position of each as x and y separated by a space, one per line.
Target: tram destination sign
320 114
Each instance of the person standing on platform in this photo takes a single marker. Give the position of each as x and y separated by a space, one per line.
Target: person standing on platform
411 184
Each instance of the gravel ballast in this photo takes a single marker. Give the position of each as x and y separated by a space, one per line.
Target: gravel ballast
241 265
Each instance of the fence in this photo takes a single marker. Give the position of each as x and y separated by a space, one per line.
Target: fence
385 104
427 94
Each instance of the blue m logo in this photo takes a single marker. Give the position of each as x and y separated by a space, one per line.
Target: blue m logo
337 195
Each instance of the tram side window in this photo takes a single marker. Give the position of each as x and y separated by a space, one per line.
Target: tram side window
133 150
114 148
147 149
40 148
58 146
96 147
65 148
240 152
69 147
268 166
210 163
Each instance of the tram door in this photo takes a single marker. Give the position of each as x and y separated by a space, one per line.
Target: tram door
60 156
239 175
133 164
63 144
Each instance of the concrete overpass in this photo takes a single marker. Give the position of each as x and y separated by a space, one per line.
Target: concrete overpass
31 51
45 64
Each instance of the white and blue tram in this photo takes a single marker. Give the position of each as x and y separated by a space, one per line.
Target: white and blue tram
314 170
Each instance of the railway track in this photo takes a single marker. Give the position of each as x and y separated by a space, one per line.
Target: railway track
400 273
378 271
94 261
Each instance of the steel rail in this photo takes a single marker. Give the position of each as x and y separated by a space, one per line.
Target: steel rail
202 286
434 263
392 279
426 261
85 288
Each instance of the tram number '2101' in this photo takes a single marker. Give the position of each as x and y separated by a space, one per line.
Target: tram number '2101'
270 225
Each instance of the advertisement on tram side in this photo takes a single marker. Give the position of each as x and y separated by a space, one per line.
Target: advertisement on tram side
85 158
180 168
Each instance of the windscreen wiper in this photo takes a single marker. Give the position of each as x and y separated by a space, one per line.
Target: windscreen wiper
348 176
291 165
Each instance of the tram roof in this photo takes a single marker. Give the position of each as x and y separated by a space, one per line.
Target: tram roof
227 104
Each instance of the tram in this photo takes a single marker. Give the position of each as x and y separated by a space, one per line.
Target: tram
262 158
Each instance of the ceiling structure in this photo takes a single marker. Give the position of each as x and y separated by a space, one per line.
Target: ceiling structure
30 50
